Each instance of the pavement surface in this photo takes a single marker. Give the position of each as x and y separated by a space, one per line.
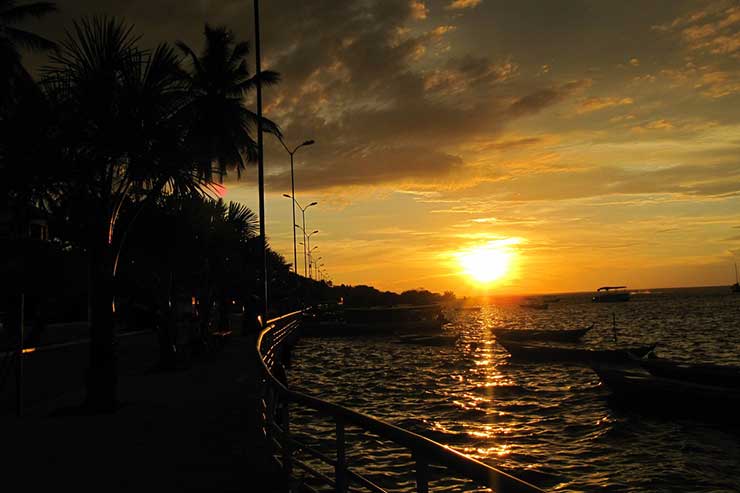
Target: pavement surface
194 429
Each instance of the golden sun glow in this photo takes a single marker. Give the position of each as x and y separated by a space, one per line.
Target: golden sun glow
488 263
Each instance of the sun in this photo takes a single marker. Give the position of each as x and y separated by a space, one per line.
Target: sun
488 263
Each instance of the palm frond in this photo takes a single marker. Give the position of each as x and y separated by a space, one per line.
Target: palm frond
17 13
28 40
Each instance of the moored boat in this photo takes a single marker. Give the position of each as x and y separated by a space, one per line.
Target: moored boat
377 321
428 339
611 294
563 335
542 352
701 373
639 388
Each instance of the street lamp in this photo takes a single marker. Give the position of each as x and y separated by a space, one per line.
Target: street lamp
316 266
308 245
303 214
292 193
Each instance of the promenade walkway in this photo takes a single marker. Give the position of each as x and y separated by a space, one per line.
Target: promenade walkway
187 430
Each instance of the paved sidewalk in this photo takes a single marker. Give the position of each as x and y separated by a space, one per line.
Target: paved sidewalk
189 430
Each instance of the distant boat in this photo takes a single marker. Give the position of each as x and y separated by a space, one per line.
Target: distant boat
561 335
611 294
376 321
736 287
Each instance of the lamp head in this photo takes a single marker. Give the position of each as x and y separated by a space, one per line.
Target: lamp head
308 143
287 196
314 232
312 203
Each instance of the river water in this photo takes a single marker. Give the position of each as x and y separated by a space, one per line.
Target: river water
550 424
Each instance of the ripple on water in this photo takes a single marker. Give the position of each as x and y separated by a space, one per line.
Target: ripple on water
550 424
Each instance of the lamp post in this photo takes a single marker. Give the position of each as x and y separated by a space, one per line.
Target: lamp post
260 157
308 245
292 194
303 215
316 266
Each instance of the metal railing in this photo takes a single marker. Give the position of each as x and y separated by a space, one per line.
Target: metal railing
427 455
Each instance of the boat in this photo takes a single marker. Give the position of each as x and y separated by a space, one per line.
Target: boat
637 387
701 373
542 352
735 287
428 339
376 321
562 335
535 306
611 294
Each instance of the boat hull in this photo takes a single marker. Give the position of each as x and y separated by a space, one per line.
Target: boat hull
611 298
568 335
538 352
637 388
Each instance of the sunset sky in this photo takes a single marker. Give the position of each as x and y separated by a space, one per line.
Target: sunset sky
584 143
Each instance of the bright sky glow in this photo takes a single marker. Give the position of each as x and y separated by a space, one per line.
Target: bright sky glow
487 263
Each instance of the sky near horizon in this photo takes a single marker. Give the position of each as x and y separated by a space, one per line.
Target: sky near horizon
588 143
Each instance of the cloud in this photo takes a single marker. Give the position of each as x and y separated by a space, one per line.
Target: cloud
712 29
595 104
685 181
419 10
709 80
540 99
463 4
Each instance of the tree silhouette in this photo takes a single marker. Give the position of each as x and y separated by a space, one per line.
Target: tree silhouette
119 110
219 81
12 39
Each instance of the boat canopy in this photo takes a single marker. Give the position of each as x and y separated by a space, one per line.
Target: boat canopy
607 288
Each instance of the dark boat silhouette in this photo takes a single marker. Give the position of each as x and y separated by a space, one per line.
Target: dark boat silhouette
559 353
701 373
376 321
694 391
611 294
563 335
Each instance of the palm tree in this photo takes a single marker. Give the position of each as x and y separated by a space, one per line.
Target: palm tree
119 108
219 81
12 73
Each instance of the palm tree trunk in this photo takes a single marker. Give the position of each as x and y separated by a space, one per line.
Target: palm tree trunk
102 376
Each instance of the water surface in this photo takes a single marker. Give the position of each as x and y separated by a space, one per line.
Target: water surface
549 423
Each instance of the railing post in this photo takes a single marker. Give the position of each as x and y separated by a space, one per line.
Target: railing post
340 469
422 474
287 450
19 360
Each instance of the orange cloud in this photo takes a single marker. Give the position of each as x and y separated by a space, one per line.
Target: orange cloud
596 104
463 4
419 10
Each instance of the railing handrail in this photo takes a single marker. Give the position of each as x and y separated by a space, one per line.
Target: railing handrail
420 446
